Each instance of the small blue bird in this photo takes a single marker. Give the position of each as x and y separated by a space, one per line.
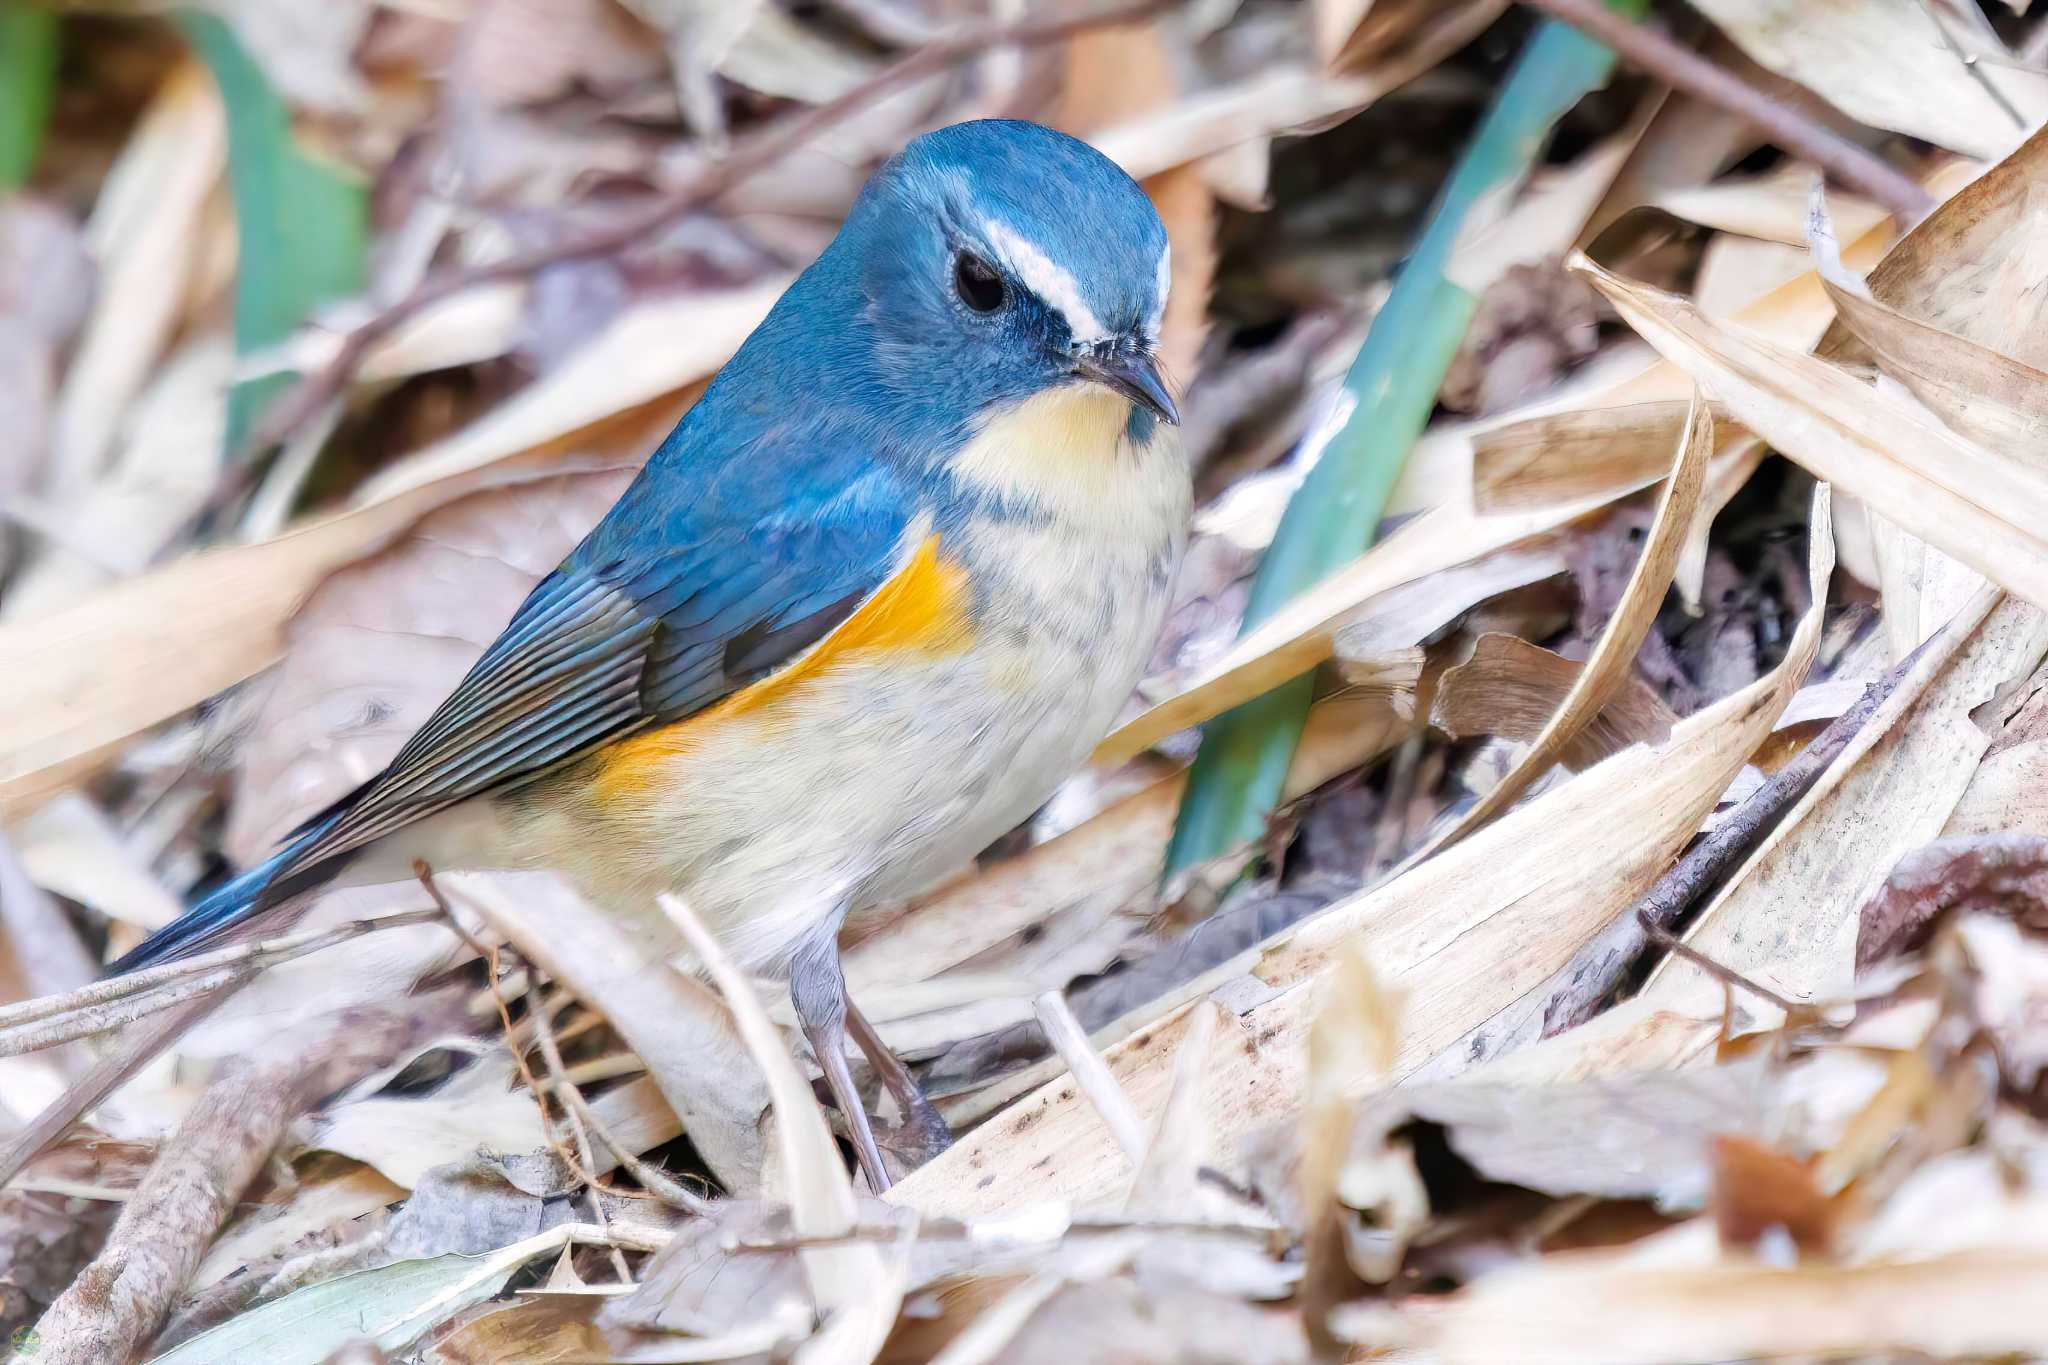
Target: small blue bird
876 594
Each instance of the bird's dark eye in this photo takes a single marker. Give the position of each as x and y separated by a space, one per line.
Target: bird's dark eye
977 283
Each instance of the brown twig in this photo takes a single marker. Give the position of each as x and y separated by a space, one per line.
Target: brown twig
117 1303
1727 976
659 1185
323 386
1683 69
1582 987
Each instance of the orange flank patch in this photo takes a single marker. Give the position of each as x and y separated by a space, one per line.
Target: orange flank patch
921 611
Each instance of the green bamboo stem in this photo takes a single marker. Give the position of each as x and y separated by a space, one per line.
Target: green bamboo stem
1236 781
28 79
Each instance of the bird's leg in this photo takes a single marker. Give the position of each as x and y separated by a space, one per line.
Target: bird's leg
817 988
920 1117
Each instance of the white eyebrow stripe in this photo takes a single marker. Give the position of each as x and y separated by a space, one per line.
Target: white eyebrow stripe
1164 285
1054 286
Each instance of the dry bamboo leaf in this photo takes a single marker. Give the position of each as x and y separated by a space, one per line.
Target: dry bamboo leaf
480 1110
2008 792
1992 398
379 644
391 1306
1789 917
144 233
1564 1309
1351 35
1165 1184
77 683
650 351
1969 501
1922 587
169 461
1733 270
1771 208
1576 456
853 1284
316 1206
1301 635
71 847
1612 661
1281 99
1070 1041
1351 1043
1644 1135
1975 265
1512 688
1540 224
1883 62
618 965
1467 935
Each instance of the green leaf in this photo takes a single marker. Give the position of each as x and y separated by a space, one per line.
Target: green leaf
1236 780
389 1306
28 78
301 223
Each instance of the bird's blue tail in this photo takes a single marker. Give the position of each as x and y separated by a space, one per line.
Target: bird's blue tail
234 902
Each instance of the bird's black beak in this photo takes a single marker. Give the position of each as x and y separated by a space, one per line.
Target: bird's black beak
1136 377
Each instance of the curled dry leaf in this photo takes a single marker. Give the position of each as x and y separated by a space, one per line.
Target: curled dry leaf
1992 398
1609 666
1973 503
2007 871
1511 688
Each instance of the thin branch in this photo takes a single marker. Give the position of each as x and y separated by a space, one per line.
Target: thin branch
1683 69
248 957
1582 988
748 158
91 1019
544 1034
659 1185
117 1303
1727 976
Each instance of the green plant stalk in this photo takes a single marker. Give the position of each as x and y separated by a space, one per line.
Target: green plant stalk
1235 783
301 224
28 80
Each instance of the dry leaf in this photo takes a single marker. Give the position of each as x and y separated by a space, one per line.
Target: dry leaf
1953 875
1512 688
1612 660
1883 62
1969 501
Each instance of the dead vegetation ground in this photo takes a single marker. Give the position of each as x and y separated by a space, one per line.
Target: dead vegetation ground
1645 964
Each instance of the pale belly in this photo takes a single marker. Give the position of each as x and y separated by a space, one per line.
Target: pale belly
874 782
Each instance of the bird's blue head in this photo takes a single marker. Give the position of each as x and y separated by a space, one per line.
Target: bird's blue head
986 264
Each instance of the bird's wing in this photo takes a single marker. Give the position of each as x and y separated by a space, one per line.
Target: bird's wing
667 608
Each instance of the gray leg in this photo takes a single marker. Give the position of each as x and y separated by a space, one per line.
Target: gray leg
923 1122
817 988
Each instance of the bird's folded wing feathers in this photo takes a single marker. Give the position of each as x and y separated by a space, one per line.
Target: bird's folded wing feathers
616 641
